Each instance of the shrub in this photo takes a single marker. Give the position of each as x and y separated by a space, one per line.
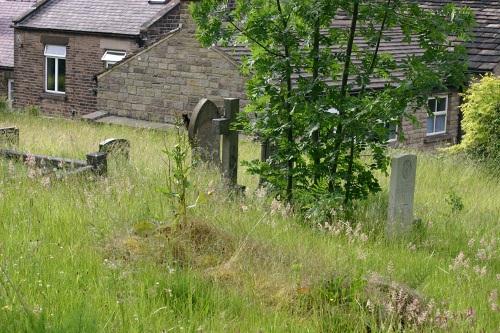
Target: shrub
481 119
3 104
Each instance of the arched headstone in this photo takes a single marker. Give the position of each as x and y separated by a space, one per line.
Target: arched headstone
202 136
116 147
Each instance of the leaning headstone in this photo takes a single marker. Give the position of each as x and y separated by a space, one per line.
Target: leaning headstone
204 141
119 148
401 194
9 136
229 140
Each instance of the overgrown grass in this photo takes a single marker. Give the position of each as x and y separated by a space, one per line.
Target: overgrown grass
96 255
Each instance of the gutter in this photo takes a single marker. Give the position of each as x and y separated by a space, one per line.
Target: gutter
78 32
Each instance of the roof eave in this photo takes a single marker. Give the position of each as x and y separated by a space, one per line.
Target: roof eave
78 32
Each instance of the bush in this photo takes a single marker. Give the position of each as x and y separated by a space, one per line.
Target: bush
3 104
481 119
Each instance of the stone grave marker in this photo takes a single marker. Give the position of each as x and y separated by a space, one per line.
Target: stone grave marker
229 140
203 139
99 163
401 194
9 136
116 148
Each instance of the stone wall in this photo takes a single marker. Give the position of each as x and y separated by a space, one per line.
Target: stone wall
416 134
168 79
83 63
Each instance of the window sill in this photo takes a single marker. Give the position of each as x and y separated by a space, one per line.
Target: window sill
437 138
54 96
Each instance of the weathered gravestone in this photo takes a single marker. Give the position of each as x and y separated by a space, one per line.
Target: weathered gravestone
401 194
99 163
205 143
229 140
9 136
119 148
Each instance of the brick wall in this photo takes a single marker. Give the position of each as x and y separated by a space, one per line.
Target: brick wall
162 26
169 78
416 134
83 62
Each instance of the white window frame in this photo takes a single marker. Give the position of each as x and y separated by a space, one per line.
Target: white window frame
110 54
437 113
10 90
57 57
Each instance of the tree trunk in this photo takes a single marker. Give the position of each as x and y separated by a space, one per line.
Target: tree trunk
339 135
316 156
288 109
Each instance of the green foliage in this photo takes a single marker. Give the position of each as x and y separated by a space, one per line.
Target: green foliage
3 104
455 202
33 110
178 169
481 119
332 136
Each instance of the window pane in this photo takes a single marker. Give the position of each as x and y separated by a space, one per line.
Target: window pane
432 104
441 104
61 77
51 74
440 123
430 124
55 51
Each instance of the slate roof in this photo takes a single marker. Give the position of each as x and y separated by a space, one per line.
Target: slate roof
9 9
483 50
117 17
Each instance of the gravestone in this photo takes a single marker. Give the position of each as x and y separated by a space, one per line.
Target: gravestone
9 136
205 143
99 163
116 148
229 140
401 194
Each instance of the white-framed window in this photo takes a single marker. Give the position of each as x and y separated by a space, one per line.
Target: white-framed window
55 69
10 90
436 122
111 57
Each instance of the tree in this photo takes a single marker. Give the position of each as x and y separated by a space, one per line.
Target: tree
310 67
481 119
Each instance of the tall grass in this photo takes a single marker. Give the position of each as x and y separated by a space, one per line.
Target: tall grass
95 255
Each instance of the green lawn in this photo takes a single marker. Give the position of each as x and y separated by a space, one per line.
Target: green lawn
81 254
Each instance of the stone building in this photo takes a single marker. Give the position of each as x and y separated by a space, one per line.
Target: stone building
157 70
61 45
168 78
9 9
